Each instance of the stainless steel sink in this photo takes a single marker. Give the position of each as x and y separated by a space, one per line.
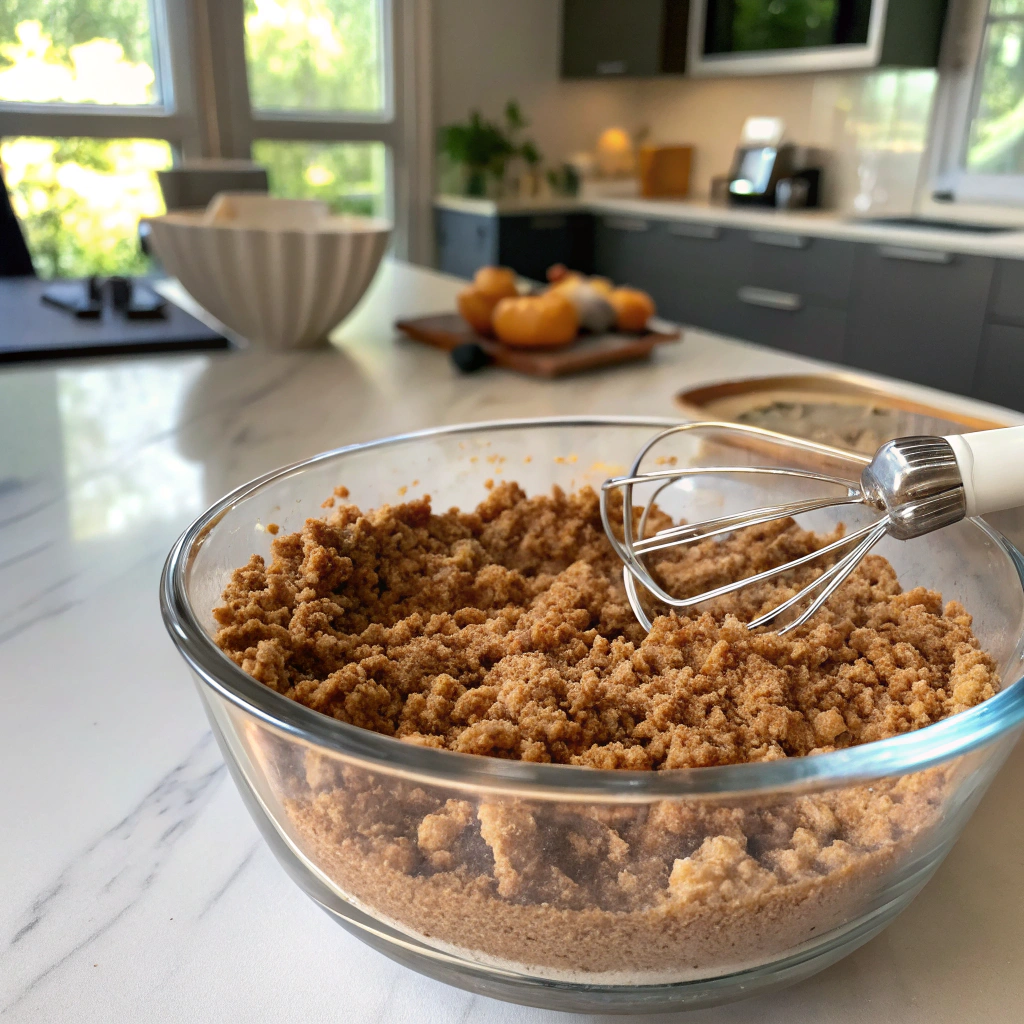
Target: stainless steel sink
928 224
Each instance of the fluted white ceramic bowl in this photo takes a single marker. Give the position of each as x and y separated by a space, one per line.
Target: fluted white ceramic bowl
280 272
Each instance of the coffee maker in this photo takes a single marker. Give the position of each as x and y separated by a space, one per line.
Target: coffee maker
763 161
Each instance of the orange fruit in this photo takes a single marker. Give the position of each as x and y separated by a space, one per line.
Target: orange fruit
536 321
633 308
477 309
498 282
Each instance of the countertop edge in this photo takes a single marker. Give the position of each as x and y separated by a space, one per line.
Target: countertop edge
816 224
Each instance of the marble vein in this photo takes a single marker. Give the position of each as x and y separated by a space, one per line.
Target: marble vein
233 877
28 513
153 555
24 556
106 879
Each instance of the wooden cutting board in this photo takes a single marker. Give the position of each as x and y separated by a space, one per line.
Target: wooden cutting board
447 331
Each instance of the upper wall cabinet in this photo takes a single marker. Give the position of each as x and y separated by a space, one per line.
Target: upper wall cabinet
630 38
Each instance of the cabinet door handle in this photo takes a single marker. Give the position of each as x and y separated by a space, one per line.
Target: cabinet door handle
782 239
611 67
769 299
902 252
547 223
626 223
706 231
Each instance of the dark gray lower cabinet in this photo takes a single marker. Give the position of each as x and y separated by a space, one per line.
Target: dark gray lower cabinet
819 270
465 241
918 314
766 317
791 292
1000 374
528 243
625 250
699 274
1007 302
687 268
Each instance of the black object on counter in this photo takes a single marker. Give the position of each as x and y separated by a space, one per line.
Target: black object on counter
34 326
82 299
136 300
470 357
14 257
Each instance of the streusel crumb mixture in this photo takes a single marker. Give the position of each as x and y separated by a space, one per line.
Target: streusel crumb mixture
505 631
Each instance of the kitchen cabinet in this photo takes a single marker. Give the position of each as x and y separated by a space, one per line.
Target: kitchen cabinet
531 244
528 243
625 250
684 266
698 267
783 290
791 292
635 38
1000 373
465 241
918 314
770 317
818 270
1007 304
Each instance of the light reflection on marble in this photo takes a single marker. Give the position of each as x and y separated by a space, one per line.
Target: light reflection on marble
103 414
135 887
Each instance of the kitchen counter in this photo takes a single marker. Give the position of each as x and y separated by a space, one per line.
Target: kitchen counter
815 223
136 888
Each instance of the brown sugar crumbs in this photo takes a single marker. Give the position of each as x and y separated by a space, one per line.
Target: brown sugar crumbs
505 631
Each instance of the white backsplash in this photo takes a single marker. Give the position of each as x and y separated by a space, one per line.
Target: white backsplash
874 126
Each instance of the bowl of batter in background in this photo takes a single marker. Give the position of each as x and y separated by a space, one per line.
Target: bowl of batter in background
578 888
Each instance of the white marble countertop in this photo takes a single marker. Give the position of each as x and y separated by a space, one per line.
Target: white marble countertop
814 223
135 887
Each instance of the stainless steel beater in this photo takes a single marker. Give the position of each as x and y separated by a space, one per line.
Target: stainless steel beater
919 484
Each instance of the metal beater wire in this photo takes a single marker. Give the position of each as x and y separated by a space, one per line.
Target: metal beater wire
629 549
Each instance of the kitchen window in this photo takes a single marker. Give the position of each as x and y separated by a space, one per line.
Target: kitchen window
95 97
978 139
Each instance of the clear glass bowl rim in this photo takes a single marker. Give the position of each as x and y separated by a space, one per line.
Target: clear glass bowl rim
910 752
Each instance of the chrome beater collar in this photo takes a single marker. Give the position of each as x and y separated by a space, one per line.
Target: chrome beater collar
914 482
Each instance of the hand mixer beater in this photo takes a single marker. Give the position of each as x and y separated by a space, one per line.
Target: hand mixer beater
918 484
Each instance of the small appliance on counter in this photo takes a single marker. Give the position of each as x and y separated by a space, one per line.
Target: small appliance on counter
768 171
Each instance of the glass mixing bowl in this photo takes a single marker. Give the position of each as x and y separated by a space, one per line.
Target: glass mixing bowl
578 888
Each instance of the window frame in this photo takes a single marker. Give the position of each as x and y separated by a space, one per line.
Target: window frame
205 110
173 119
951 186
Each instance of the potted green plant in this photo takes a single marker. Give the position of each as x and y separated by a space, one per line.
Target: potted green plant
483 148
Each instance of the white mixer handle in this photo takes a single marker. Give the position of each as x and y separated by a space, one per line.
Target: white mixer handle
992 466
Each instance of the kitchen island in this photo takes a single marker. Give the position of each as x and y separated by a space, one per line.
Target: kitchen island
136 887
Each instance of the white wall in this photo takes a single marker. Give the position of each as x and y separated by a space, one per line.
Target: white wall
488 51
